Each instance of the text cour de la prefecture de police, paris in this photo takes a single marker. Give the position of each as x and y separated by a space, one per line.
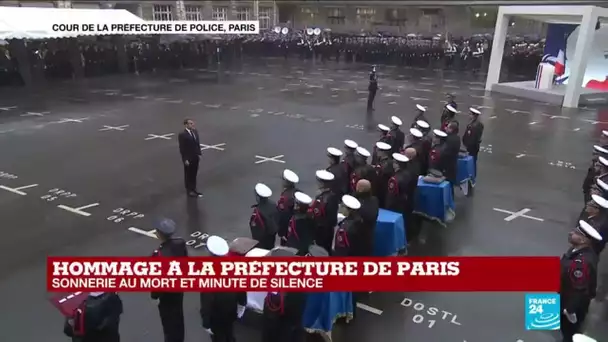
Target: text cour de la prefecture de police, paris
177 27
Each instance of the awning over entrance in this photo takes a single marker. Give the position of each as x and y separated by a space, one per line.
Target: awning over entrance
36 22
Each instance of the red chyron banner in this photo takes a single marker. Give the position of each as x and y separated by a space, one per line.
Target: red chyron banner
517 274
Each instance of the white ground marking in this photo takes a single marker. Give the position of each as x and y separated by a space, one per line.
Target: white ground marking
254 115
418 98
593 122
7 131
513 215
484 107
520 155
512 100
148 233
194 103
127 95
493 117
79 210
532 123
276 159
219 147
361 91
68 297
477 89
161 99
515 111
35 113
450 86
142 97
328 121
6 109
392 103
369 309
423 90
113 128
213 105
163 136
175 101
18 190
576 129
391 95
71 120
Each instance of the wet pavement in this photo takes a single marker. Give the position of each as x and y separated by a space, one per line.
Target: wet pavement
85 168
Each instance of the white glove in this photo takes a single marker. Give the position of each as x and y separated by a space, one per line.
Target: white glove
209 331
240 311
571 317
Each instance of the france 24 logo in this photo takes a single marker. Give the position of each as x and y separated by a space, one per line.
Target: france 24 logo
543 311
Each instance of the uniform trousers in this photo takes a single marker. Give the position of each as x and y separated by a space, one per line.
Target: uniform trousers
190 173
223 334
569 329
172 318
370 99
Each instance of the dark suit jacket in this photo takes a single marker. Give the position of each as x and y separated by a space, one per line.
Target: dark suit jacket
189 148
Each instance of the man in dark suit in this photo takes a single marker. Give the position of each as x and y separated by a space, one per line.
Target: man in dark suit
189 148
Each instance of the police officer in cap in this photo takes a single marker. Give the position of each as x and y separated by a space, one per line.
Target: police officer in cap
372 88
219 310
384 138
348 161
416 142
264 219
596 169
170 304
419 116
438 160
449 112
96 319
301 233
578 279
362 170
452 152
396 135
369 214
596 214
324 210
285 203
397 195
471 139
384 171
340 183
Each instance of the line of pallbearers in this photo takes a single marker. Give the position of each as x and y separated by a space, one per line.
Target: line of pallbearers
587 240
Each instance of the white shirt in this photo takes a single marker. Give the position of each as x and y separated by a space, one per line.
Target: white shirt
191 134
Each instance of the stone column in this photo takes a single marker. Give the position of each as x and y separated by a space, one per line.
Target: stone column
232 10
498 48
180 10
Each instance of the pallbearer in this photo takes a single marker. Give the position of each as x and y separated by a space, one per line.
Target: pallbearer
301 231
449 112
97 318
349 156
396 135
397 195
324 210
471 139
437 158
416 141
362 170
578 279
340 183
286 202
419 116
384 171
219 310
384 138
170 304
264 218
348 239
595 170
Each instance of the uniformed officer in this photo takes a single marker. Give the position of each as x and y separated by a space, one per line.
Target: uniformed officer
384 171
264 219
471 139
447 116
396 135
219 310
362 169
369 214
594 170
384 137
417 142
96 319
451 152
340 184
372 88
285 203
578 279
438 160
301 231
170 304
419 116
348 239
325 210
451 100
349 157
398 185
596 214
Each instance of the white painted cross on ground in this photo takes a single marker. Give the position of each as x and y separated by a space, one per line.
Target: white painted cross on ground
18 190
6 109
113 128
513 215
162 136
78 210
35 114
276 159
219 147
71 120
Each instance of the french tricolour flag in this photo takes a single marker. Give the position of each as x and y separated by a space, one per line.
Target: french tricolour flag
560 63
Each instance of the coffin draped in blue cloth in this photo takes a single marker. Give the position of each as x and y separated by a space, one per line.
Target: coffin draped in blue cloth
466 170
435 201
324 308
389 236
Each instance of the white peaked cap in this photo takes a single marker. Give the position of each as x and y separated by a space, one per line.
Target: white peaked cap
302 198
475 111
416 132
602 184
400 158
290 176
423 124
420 108
263 190
332 151
603 160
350 202
582 338
363 152
382 146
589 230
350 144
451 109
383 128
601 201
396 121
325 175
600 149
95 294
217 246
341 217
605 133
440 133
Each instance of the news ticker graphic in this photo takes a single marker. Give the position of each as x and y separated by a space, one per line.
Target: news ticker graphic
200 274
159 27
543 311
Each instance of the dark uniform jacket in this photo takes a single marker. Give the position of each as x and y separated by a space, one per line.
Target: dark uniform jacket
471 139
385 139
349 238
384 171
578 280
282 316
189 146
363 171
340 183
324 210
398 194
396 138
301 233
172 248
264 223
369 216
219 309
422 155
97 319
285 210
